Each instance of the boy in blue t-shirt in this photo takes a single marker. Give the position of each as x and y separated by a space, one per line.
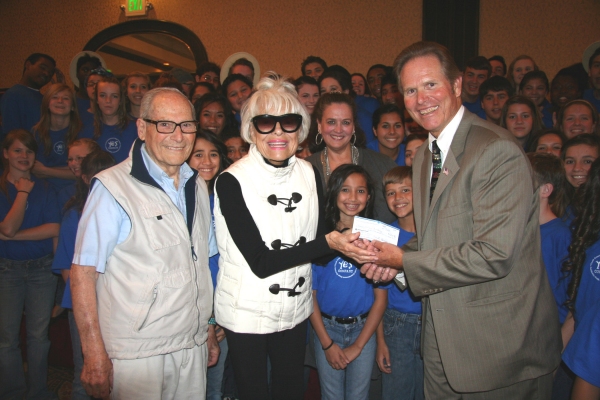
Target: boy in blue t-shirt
399 334
555 234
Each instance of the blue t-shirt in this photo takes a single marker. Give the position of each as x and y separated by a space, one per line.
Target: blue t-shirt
341 290
365 107
400 300
87 123
116 142
588 95
588 294
57 157
42 208
556 238
63 258
64 195
475 108
20 108
547 114
374 145
582 354
83 106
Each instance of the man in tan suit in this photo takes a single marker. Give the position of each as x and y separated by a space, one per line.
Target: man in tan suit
490 328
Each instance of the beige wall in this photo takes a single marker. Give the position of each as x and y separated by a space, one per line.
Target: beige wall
554 32
279 33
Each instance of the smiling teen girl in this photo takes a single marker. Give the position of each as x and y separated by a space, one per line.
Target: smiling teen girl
112 129
30 220
57 128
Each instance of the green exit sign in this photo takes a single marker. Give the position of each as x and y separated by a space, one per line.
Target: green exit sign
135 7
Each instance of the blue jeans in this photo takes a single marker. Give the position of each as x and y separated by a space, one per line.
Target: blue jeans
403 337
353 382
214 374
25 285
77 392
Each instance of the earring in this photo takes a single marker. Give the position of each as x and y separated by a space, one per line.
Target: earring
318 138
353 139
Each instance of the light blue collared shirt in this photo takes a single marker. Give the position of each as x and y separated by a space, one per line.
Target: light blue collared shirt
104 223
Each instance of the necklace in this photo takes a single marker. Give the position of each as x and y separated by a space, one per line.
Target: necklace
325 160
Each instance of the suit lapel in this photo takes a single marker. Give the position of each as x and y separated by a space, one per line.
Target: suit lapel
450 167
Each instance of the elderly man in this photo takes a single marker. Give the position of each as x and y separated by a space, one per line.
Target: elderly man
490 326
142 291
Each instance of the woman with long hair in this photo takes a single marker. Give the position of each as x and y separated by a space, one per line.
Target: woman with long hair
58 127
112 129
338 79
135 85
214 113
339 140
584 287
30 221
518 68
522 118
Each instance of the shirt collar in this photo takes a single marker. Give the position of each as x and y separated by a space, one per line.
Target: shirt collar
444 140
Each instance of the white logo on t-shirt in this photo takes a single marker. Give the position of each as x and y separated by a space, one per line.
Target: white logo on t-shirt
595 267
344 269
59 147
113 145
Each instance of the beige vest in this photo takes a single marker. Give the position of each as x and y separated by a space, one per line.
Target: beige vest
243 302
155 296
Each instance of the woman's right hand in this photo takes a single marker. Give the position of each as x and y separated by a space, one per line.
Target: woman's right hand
336 357
24 184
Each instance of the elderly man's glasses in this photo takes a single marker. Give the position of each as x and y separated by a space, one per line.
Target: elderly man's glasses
266 123
169 126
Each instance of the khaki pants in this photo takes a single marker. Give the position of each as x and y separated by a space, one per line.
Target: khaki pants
179 375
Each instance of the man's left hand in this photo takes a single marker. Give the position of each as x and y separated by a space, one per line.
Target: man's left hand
213 346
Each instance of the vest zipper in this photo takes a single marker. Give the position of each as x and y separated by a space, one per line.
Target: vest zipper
194 256
154 294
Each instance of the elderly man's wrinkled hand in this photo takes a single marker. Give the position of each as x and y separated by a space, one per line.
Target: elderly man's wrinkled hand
97 375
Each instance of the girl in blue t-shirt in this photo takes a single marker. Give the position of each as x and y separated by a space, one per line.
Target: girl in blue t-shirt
30 220
209 158
112 129
92 164
584 264
388 129
347 308
57 128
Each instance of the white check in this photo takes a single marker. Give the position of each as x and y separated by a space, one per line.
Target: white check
375 230
371 229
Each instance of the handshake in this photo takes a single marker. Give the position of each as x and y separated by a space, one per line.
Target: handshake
380 261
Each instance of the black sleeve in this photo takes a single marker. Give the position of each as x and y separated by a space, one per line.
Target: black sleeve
263 261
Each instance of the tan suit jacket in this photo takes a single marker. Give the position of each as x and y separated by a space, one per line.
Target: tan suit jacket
479 262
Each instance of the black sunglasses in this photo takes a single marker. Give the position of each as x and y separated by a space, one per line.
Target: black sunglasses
266 123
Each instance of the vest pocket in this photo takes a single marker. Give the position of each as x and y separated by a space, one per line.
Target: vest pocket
154 294
160 225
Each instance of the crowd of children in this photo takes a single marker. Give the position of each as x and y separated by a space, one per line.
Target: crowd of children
54 143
